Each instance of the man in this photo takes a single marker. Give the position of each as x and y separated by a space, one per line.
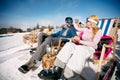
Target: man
44 40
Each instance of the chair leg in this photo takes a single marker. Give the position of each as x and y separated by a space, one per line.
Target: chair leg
97 75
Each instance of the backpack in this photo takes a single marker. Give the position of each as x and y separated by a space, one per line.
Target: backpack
104 40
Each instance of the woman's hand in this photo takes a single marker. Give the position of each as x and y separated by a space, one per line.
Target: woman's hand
76 39
72 39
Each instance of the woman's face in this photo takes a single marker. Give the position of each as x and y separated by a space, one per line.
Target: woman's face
88 24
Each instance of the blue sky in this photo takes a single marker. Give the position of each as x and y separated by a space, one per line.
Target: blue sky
29 13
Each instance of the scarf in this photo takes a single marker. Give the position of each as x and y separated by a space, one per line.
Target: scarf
65 32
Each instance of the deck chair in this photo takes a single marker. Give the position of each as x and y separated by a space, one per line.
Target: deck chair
109 27
49 58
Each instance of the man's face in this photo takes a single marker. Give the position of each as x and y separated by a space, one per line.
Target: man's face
68 25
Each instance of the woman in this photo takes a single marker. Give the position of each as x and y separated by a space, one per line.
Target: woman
72 57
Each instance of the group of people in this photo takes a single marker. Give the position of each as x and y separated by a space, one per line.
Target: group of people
71 58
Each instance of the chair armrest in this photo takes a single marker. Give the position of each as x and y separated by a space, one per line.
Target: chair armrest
101 57
107 46
70 39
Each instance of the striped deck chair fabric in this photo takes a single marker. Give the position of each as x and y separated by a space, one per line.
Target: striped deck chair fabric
105 25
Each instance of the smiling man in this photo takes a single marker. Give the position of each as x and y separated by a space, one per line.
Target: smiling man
44 40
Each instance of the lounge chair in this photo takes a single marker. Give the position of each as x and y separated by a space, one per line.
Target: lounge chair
109 27
49 58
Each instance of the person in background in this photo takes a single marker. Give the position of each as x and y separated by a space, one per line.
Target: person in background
51 30
72 57
44 40
79 24
31 37
45 30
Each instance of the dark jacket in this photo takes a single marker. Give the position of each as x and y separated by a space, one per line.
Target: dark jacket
70 33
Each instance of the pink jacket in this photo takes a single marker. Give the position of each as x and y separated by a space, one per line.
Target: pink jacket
86 37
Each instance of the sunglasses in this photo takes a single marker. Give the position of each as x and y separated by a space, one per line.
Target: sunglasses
69 21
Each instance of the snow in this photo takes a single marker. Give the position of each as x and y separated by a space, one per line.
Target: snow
11 41
14 53
9 68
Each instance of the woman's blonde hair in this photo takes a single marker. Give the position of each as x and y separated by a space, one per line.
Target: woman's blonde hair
94 27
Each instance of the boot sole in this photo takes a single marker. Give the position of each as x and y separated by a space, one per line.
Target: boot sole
22 70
